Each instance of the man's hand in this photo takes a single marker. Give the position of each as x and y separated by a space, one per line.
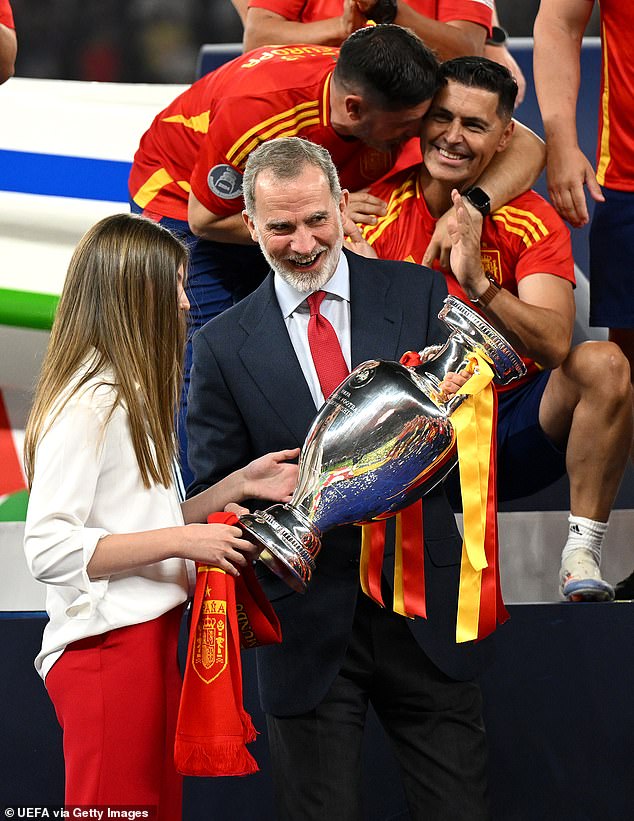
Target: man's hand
440 244
465 228
439 247
351 19
355 240
365 208
566 173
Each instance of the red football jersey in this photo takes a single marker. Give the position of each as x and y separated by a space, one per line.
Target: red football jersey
615 144
202 140
524 237
307 11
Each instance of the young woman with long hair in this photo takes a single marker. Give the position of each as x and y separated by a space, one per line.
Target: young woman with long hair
106 529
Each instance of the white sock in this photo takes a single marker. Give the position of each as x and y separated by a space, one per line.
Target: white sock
585 533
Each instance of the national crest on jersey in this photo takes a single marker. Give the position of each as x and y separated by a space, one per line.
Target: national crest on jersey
492 263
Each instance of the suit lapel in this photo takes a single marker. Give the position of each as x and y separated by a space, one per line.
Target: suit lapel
268 350
376 319
375 316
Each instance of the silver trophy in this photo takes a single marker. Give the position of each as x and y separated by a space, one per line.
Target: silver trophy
381 441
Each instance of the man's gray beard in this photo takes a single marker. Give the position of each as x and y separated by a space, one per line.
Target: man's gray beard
311 280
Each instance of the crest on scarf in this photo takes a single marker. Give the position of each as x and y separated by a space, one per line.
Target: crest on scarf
209 650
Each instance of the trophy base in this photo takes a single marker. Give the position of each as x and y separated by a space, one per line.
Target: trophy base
290 543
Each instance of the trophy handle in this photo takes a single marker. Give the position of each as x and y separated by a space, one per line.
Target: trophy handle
475 331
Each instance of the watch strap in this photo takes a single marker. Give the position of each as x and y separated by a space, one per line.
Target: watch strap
484 299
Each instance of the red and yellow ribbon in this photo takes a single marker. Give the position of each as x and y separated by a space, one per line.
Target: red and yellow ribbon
409 561
480 605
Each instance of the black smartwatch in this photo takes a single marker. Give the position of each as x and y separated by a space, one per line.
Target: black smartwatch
479 199
383 11
498 37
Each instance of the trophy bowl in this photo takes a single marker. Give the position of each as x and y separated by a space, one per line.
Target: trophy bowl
381 441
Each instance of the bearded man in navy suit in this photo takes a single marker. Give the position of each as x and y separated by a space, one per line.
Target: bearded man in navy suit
254 389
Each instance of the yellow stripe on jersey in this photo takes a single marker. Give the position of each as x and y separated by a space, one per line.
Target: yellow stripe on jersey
371 233
199 123
325 108
604 153
247 142
523 223
285 129
151 188
513 230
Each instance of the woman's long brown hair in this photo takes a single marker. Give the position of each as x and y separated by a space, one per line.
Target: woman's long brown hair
119 311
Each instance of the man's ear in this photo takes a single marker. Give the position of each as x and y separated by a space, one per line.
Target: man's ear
250 225
507 134
343 202
354 106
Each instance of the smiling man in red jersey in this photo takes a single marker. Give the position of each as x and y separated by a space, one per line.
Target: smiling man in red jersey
361 102
572 412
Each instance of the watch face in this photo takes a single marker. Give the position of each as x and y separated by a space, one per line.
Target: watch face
498 36
479 199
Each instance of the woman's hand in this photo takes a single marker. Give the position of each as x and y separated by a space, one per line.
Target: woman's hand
218 545
272 476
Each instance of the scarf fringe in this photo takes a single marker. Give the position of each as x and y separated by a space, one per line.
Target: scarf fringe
250 733
214 757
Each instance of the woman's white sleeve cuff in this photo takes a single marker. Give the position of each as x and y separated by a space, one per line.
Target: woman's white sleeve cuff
84 606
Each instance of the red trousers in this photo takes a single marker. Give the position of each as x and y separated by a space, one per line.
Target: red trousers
116 697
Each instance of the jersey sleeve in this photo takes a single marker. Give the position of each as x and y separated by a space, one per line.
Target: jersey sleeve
216 179
543 239
290 9
473 11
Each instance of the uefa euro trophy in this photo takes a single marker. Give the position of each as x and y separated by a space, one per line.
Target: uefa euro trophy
382 441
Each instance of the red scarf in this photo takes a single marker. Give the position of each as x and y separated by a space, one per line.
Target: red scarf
213 726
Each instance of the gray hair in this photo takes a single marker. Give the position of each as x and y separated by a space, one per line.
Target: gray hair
286 158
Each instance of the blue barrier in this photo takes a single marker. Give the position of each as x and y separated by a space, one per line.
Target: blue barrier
61 176
213 55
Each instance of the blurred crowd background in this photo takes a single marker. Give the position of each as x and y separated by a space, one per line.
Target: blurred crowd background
150 41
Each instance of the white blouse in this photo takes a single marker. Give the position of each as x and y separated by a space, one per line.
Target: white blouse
87 484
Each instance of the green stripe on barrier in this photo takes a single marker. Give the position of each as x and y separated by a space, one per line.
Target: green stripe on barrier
13 508
27 309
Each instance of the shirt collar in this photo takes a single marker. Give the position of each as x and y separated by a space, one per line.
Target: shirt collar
290 298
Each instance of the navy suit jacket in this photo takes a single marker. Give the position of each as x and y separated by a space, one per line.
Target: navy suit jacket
248 397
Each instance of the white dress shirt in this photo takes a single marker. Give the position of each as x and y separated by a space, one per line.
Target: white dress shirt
296 313
87 484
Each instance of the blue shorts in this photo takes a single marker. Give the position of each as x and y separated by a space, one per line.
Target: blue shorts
527 460
220 274
612 261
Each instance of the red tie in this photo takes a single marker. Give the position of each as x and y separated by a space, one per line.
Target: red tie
325 348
